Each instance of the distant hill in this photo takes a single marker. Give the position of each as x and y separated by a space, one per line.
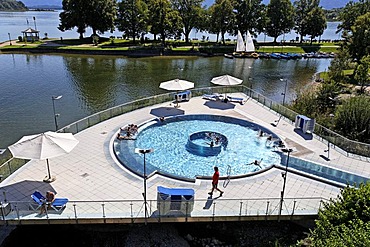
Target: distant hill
12 5
326 4
43 3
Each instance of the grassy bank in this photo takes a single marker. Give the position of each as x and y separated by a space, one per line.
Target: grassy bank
111 45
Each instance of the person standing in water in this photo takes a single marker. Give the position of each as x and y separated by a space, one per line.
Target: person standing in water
215 177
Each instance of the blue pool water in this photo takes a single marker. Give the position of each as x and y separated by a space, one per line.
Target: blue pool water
170 155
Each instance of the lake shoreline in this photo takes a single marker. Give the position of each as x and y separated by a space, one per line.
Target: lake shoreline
128 53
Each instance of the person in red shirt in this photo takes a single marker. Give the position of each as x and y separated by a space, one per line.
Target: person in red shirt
215 178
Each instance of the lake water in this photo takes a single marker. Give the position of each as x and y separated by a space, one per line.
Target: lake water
93 83
47 22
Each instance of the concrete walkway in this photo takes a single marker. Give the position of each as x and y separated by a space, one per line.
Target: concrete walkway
91 173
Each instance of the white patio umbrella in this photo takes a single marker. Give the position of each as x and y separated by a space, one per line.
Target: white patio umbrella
44 146
176 85
226 80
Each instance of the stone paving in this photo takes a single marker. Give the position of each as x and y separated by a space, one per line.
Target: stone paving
90 174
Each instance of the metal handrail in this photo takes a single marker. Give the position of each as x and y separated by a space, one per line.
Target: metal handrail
351 148
134 209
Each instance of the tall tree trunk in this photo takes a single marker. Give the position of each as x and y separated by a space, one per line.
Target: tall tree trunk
187 33
163 38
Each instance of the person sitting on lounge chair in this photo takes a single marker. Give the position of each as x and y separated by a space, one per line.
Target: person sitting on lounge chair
49 199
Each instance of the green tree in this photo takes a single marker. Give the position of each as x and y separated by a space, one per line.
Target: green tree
344 221
305 103
358 43
362 75
316 22
190 12
337 65
97 14
132 18
221 18
249 16
351 12
280 15
164 20
352 118
318 102
301 7
73 15
309 18
101 15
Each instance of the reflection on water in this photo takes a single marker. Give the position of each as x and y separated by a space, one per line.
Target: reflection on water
93 83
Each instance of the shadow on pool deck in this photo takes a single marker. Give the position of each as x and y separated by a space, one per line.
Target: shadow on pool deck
166 111
219 105
23 190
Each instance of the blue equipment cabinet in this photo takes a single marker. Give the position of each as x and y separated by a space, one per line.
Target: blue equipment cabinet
175 201
307 125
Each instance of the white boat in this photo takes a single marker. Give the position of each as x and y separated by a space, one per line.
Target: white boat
249 44
245 49
240 45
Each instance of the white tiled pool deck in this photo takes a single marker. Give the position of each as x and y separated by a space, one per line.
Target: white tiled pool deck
90 173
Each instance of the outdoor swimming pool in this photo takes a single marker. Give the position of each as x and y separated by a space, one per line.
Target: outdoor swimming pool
170 138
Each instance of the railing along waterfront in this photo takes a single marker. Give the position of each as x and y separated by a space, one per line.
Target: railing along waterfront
349 147
132 211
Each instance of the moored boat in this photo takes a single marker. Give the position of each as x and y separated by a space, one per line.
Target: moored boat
275 55
245 49
228 55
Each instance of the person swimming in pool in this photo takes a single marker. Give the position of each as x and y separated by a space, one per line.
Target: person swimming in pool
256 163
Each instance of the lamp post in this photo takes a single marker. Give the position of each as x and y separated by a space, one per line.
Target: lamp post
285 88
250 82
53 98
10 40
144 151
264 39
34 21
284 175
331 115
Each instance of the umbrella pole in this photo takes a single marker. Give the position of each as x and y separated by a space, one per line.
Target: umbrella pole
47 163
176 98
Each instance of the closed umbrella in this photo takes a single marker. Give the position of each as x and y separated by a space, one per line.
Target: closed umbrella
44 146
176 85
226 80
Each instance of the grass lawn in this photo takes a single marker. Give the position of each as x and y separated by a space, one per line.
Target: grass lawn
108 44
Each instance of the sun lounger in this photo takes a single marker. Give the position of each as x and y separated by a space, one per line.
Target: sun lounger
58 204
213 97
235 99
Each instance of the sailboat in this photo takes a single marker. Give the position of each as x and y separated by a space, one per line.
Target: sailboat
246 49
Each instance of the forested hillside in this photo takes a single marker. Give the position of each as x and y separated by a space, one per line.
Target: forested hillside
12 5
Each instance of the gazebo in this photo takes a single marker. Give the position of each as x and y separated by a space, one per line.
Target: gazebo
30 35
